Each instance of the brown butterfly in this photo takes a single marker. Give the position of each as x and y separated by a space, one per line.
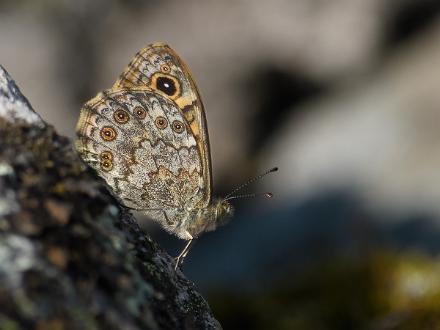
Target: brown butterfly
147 137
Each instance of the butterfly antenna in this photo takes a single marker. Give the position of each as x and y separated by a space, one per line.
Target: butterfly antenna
266 194
248 182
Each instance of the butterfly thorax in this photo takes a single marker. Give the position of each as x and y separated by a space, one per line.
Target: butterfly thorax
206 219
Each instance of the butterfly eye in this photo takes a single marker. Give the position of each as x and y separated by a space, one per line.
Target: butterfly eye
108 133
177 126
140 112
106 155
121 116
161 122
107 165
165 68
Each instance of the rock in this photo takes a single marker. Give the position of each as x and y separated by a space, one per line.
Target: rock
71 257
13 105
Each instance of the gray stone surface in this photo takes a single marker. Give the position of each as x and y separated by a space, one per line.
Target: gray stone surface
13 105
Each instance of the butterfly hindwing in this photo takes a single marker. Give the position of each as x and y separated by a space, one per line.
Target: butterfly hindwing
132 138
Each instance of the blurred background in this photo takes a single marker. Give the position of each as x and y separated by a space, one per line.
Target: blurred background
343 96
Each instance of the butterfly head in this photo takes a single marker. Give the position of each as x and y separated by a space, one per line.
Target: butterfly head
223 209
218 213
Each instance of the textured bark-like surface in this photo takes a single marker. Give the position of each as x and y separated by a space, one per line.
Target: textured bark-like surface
70 256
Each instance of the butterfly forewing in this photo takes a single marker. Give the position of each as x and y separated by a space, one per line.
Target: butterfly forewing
159 68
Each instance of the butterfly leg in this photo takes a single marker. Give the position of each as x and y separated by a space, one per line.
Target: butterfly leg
179 259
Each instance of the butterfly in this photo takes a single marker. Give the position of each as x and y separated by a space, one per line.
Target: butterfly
147 137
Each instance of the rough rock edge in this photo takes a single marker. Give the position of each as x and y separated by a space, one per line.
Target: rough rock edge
13 105
46 193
